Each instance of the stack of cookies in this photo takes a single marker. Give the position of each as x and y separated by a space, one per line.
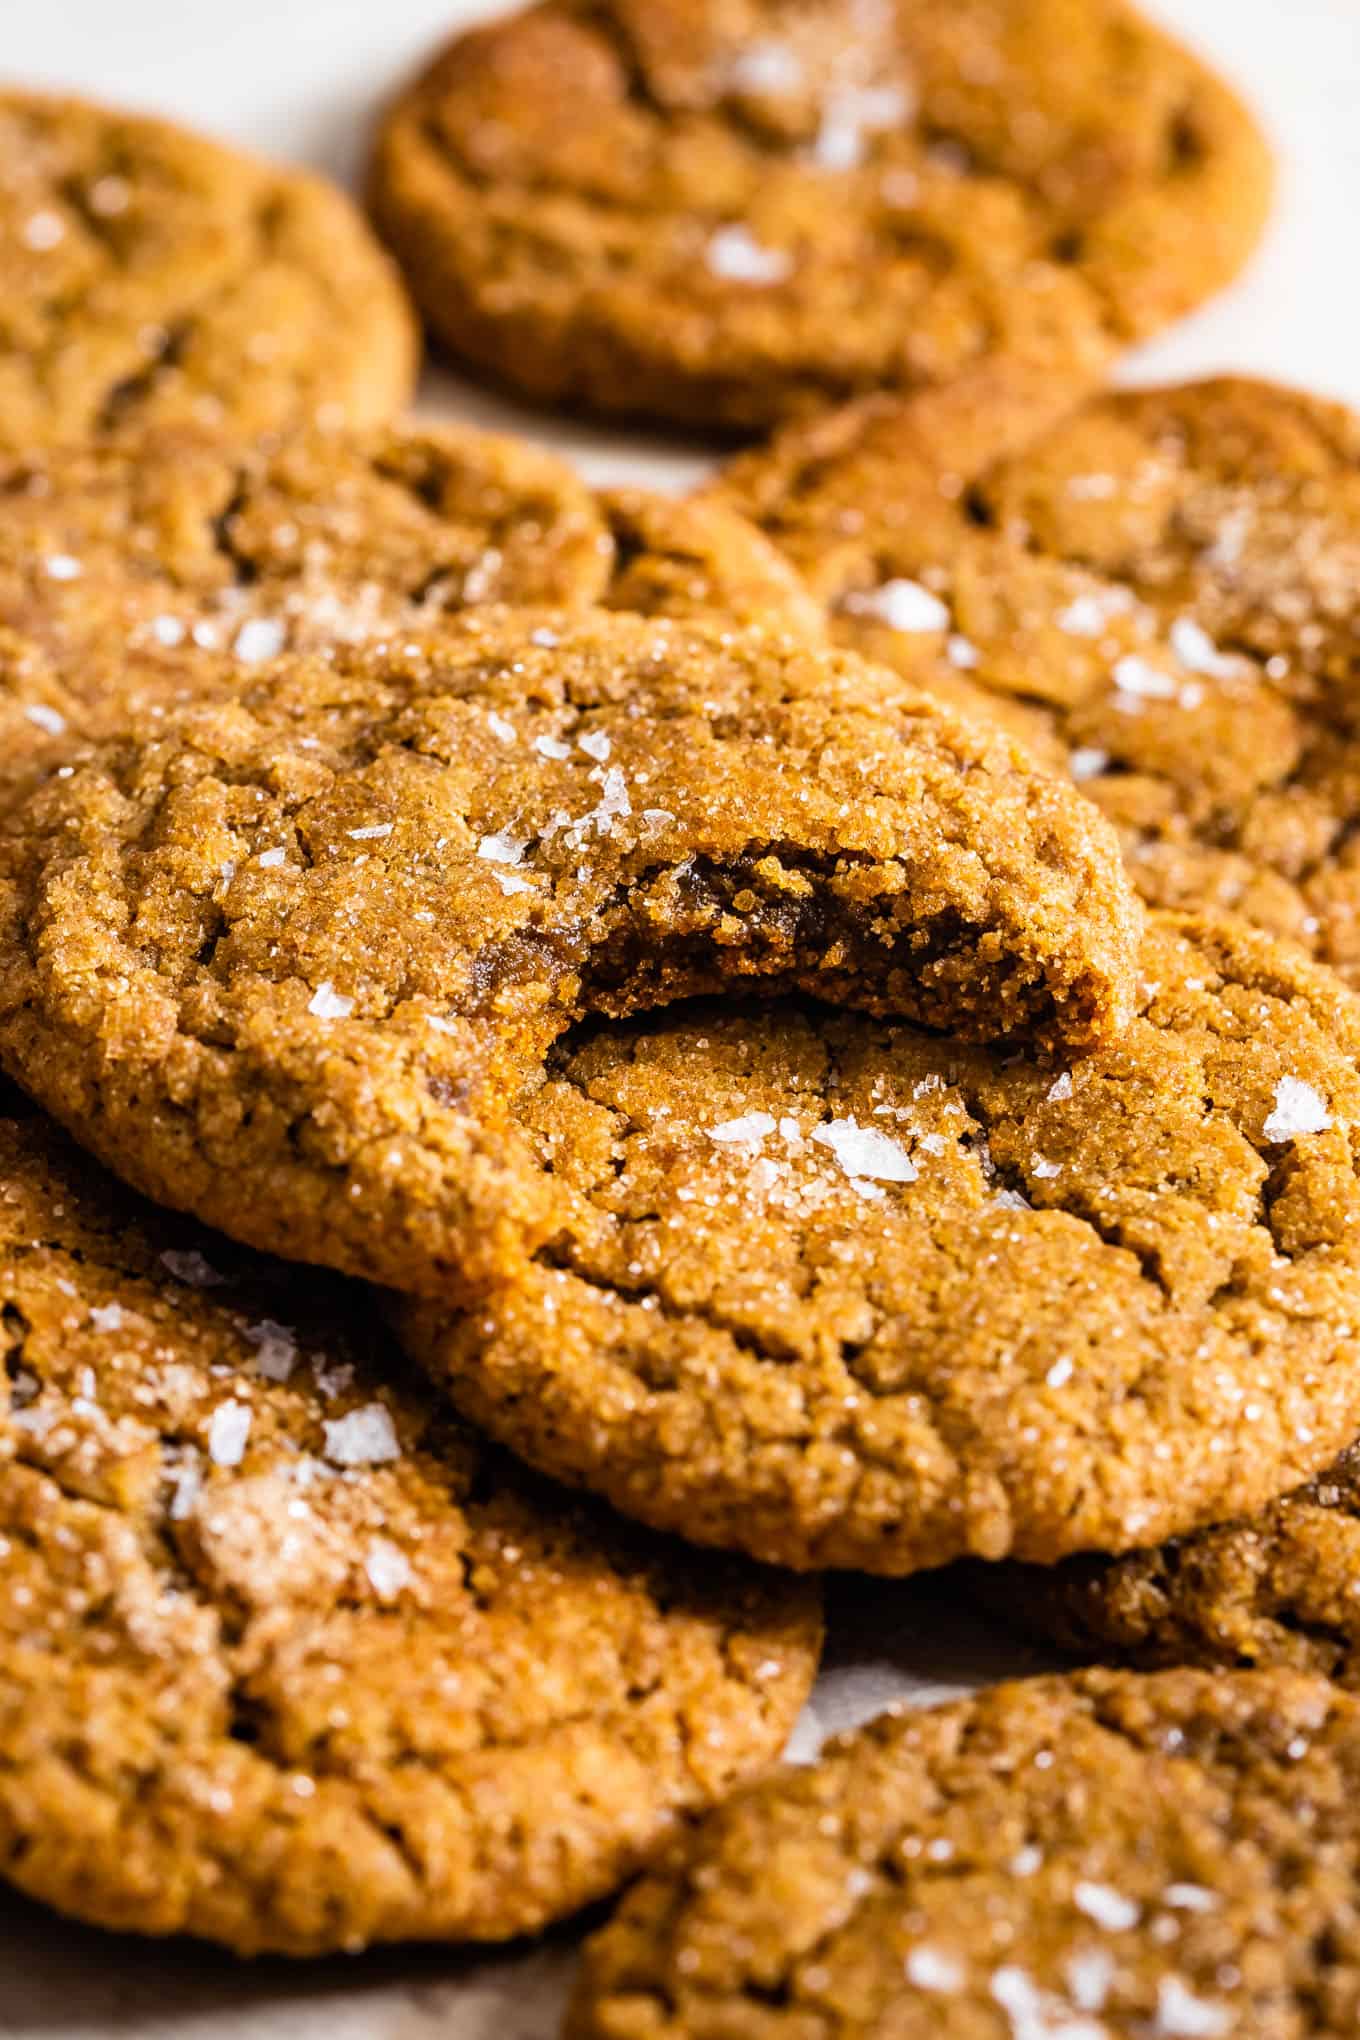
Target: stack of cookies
580 1060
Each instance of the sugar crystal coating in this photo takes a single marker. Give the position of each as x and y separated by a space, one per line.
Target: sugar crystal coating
835 1291
288 1660
318 1053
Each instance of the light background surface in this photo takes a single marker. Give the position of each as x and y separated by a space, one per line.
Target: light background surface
300 79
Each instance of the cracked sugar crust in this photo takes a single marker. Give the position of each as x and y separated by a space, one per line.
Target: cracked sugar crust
288 1660
136 576
309 944
734 211
1156 593
1275 1588
1102 1857
841 1293
152 277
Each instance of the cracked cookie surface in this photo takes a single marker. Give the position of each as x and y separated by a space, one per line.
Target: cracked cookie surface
288 963
1104 1857
150 276
1276 1588
135 576
1156 593
837 1292
290 1662
729 211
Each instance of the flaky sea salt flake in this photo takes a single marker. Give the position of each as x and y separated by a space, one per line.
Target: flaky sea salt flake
187 1265
1197 650
932 1969
502 849
43 230
365 1437
328 1004
1143 680
1183 2016
1107 1907
1033 2014
734 254
228 1432
751 1126
259 639
1089 1976
1299 1109
388 1568
864 1151
275 1348
767 67
901 604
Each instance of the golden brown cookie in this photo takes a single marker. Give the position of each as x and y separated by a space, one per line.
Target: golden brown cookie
1104 1857
729 211
153 277
137 575
290 1661
841 1293
288 962
1281 1587
1157 593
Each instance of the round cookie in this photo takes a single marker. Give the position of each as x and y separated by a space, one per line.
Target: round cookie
1104 1857
1276 1588
308 944
292 1662
844 1294
737 210
137 575
1156 593
153 277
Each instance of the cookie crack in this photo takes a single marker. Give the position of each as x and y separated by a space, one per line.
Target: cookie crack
177 326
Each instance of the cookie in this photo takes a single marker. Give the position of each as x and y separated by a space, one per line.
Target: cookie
727 212
137 575
839 1293
1275 1588
308 944
1104 1857
1156 594
292 1662
183 542
153 277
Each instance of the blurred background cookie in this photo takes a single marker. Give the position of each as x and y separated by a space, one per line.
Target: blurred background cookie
726 213
170 565
1096 1858
1156 594
153 277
